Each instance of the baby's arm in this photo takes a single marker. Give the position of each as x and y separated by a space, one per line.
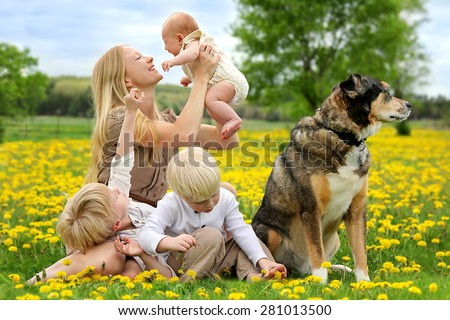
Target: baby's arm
189 54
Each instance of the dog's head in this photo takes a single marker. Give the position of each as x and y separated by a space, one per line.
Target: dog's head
370 99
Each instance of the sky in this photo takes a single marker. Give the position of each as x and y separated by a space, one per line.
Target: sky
69 36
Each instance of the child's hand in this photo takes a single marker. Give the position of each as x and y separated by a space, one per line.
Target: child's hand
128 247
134 99
166 65
271 268
181 243
185 81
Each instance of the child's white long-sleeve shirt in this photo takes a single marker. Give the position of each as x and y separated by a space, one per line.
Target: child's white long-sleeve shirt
174 216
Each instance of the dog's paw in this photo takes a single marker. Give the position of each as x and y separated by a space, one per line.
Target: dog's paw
361 275
340 268
321 273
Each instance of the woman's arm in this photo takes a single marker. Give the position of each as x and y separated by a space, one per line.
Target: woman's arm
209 137
185 129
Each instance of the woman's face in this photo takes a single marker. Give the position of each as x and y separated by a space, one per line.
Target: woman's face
139 69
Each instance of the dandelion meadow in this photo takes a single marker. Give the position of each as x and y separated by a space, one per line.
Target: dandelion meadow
407 223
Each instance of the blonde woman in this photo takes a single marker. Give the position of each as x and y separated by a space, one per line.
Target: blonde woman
157 136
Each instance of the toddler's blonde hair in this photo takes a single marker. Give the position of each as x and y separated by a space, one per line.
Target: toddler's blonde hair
88 218
193 174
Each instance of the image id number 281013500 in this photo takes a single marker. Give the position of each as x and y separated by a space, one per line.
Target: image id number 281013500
295 310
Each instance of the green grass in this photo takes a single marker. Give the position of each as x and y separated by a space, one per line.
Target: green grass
408 174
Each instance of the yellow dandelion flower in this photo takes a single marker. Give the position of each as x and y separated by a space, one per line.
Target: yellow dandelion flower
433 287
191 274
255 279
326 264
388 265
299 289
217 290
422 243
19 286
435 241
277 285
417 237
130 285
14 277
335 284
45 289
171 295
53 295
12 249
236 296
346 258
401 259
26 246
8 242
66 293
67 262
126 297
102 289
415 290
440 254
442 265
382 296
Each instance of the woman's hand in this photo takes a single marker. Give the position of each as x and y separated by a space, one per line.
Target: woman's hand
206 63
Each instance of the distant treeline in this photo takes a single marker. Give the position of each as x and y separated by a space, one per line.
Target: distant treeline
71 96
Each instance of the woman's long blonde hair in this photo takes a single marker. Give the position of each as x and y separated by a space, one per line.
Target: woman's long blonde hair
108 90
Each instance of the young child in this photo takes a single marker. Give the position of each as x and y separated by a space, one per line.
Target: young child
188 225
96 213
227 87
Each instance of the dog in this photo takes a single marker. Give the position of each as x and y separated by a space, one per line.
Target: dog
320 179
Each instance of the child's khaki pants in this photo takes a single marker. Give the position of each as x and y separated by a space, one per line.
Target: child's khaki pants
213 256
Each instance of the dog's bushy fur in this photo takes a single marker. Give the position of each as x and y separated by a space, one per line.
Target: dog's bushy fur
320 179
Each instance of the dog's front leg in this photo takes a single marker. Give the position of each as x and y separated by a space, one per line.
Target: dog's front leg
355 224
313 239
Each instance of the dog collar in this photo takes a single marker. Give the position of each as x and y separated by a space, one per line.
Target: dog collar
349 139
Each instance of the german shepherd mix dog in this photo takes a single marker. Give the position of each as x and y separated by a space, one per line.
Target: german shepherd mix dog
321 179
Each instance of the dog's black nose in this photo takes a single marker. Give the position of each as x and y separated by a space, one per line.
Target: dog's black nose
408 105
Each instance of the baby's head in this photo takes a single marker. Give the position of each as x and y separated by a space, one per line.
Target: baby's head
88 218
193 174
179 22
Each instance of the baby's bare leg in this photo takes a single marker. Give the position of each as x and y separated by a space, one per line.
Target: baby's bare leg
217 102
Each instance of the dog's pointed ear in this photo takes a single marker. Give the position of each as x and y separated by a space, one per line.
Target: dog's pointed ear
352 87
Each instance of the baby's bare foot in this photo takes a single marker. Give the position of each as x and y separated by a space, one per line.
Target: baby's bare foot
230 128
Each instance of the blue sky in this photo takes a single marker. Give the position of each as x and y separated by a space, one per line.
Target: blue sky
68 36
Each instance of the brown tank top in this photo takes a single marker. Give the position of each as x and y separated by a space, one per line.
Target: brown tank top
148 180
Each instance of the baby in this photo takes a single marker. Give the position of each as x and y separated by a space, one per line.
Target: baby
227 87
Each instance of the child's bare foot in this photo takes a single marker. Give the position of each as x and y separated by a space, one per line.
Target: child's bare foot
230 128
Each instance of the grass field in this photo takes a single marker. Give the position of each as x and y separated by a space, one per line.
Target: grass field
408 218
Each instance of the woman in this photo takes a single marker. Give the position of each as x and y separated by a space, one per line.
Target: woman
158 134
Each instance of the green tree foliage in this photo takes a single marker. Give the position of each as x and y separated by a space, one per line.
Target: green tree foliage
296 51
22 87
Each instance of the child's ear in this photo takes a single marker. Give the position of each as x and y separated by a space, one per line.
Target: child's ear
117 225
180 38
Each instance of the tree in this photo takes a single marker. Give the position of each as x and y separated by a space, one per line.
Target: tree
22 87
296 51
